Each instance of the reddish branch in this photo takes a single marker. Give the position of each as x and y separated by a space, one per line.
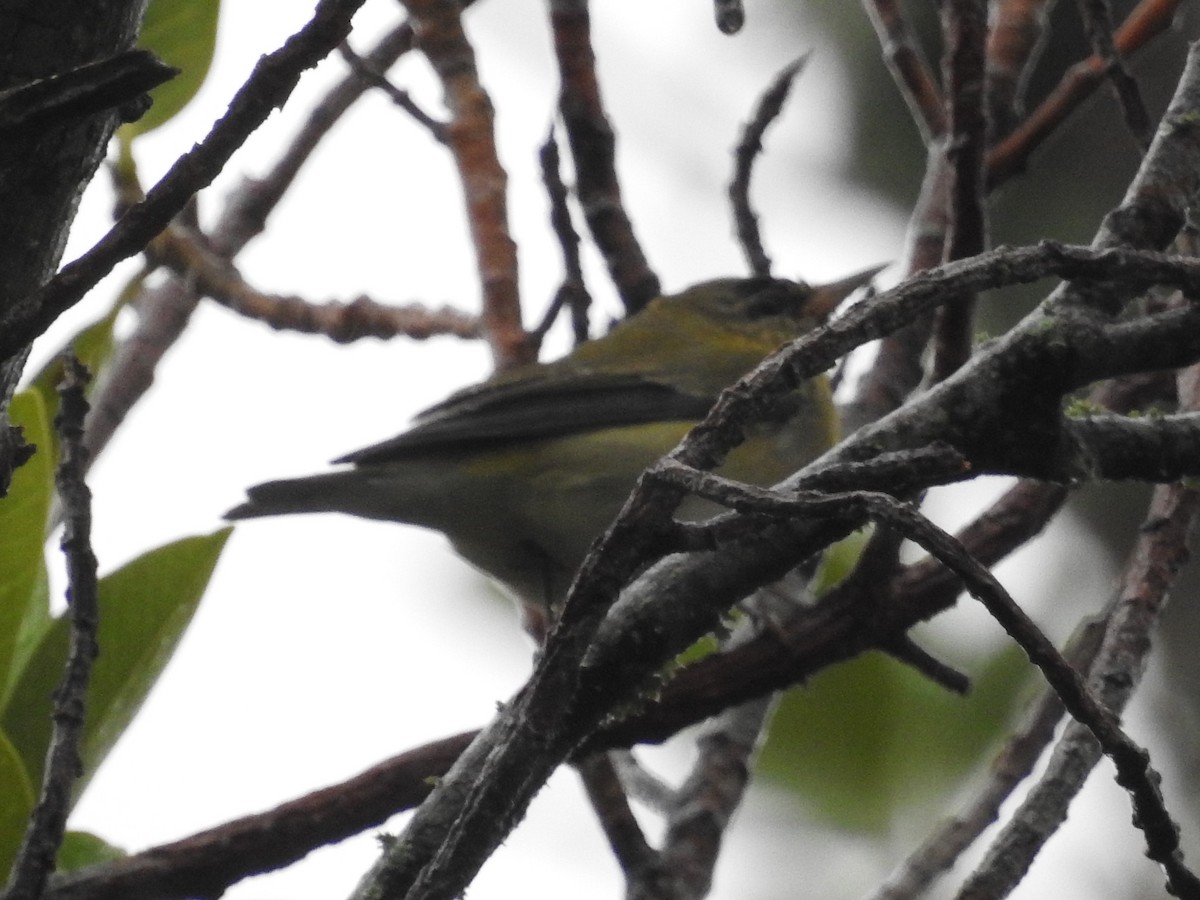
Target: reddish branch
204 864
1008 158
1017 32
471 137
215 276
898 367
1098 18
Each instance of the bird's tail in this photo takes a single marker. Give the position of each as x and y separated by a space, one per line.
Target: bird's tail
330 492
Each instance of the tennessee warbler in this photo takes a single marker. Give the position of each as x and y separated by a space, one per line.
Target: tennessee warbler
523 471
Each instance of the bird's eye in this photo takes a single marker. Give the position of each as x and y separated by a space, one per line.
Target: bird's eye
773 298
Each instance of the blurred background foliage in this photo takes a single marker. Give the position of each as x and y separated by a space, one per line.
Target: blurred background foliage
877 734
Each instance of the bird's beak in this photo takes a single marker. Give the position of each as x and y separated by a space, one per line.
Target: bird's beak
825 298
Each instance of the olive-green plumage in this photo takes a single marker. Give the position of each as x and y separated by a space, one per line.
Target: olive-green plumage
523 471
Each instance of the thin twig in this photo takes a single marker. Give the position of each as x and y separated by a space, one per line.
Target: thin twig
247 208
268 87
908 66
47 824
593 149
1008 158
214 276
607 795
164 310
872 575
1134 772
472 141
1161 549
1097 16
1012 765
573 292
965 29
402 99
1016 37
744 155
702 808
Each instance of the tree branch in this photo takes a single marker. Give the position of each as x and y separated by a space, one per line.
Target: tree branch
471 137
47 824
269 86
593 149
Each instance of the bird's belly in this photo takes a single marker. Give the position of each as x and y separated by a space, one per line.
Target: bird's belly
569 489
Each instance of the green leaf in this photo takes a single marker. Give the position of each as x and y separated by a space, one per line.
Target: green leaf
82 848
16 802
870 741
839 561
182 33
92 345
145 606
24 605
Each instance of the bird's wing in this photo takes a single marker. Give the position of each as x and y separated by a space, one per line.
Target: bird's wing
500 411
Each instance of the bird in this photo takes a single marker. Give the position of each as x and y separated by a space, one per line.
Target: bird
523 471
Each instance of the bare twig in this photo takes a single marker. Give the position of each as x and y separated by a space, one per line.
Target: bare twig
246 210
1011 766
205 864
607 795
703 806
744 155
573 292
1086 707
1161 549
1097 16
593 149
214 276
965 28
1015 40
909 69
35 859
471 138
402 99
268 87
1149 19
165 310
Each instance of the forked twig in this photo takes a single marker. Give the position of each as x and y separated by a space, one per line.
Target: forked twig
744 155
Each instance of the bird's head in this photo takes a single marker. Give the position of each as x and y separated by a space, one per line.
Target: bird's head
766 305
